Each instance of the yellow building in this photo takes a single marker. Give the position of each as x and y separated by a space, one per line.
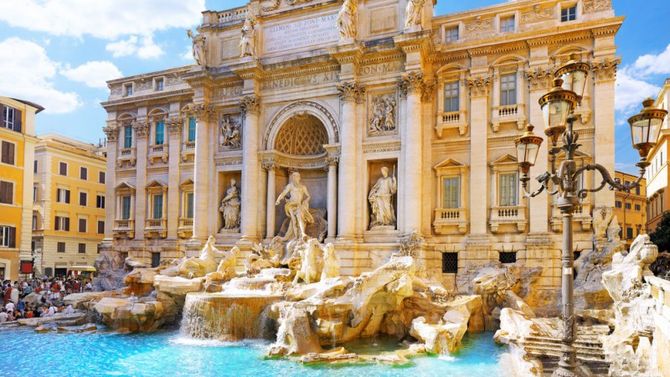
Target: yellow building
658 179
17 146
631 208
69 210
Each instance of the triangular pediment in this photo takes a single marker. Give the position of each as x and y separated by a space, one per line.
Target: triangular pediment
505 159
124 185
187 182
156 183
448 163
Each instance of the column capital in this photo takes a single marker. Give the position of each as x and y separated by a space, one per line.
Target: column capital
479 86
539 78
332 160
428 92
351 91
141 128
250 104
111 133
174 125
412 82
201 111
605 70
269 165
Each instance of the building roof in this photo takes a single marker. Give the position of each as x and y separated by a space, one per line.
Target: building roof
32 104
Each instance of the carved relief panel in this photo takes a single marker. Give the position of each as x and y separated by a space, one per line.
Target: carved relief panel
382 113
230 133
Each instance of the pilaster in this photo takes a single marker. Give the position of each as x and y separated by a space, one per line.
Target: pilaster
174 126
112 133
604 73
141 128
479 196
250 106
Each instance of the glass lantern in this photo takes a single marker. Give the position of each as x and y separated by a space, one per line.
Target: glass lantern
556 107
574 75
527 148
645 128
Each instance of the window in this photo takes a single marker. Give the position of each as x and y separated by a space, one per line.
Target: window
629 233
617 204
62 195
451 192
637 190
155 260
127 137
35 190
6 192
101 227
158 86
451 34
10 118
189 205
35 166
508 187
449 263
159 135
62 168
83 225
83 173
191 129
638 207
8 152
507 257
81 248
569 14
60 247
34 223
507 24
508 89
101 177
99 201
7 236
125 208
62 223
158 206
451 97
83 199
628 206
128 89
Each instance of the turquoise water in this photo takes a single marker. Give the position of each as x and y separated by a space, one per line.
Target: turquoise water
167 354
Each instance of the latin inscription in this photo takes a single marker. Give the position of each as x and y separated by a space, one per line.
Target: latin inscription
306 80
299 34
381 68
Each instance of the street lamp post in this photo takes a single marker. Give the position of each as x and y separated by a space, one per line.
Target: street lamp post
558 107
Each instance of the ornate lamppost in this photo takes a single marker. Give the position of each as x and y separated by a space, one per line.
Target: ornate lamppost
558 112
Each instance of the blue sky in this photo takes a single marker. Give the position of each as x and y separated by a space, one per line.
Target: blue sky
62 51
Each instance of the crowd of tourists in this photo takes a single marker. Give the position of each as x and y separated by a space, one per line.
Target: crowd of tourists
38 297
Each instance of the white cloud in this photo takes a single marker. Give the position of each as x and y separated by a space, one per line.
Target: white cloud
145 48
650 64
188 54
29 75
107 19
631 91
93 73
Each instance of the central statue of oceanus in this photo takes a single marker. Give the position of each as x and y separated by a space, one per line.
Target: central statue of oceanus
296 208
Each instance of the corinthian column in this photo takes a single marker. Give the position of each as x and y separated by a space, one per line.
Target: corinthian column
603 100
411 86
174 141
141 131
201 182
270 201
332 197
351 93
250 109
112 133
479 91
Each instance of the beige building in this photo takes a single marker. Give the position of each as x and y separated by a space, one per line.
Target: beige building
438 101
658 179
630 208
68 217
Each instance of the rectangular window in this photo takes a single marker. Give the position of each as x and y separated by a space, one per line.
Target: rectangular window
81 248
6 192
449 263
62 223
60 247
451 192
35 166
158 206
638 207
191 128
83 199
62 195
128 89
34 194
508 89
101 177
8 152
628 206
451 34
569 14
125 207
507 24
155 260
451 97
62 168
506 257
637 190
7 236
617 204
159 136
99 201
508 190
82 225
83 173
189 205
629 233
10 118
127 137
159 84
101 227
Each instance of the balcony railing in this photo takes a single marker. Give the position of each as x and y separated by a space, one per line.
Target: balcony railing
452 119
509 113
124 228
126 157
508 218
450 221
185 229
158 152
188 151
155 228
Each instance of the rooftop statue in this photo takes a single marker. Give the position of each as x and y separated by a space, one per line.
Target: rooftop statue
199 47
413 14
248 39
346 20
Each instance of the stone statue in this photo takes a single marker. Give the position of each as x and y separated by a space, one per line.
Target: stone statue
230 207
331 266
248 39
230 134
202 265
346 20
383 115
381 200
413 14
296 207
199 47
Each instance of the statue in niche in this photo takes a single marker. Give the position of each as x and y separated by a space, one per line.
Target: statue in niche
230 134
413 14
230 207
248 39
296 208
199 47
381 200
346 20
383 115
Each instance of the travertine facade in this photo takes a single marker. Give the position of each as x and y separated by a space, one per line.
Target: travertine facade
338 90
630 208
658 179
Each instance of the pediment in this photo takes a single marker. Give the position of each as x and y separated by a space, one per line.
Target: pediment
156 183
187 182
448 164
505 159
124 186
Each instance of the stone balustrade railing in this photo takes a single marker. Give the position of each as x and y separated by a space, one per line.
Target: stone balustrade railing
508 215
450 220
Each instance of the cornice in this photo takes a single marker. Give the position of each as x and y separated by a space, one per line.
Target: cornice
147 98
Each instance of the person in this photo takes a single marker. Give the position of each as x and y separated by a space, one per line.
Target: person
68 310
3 316
88 287
10 307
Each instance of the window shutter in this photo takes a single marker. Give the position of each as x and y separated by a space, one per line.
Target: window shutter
10 152
17 120
2 115
5 150
6 192
67 224
12 236
67 196
56 223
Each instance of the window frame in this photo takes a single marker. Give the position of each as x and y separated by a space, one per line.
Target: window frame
128 136
452 87
79 248
102 177
7 237
83 173
2 152
12 192
156 82
160 123
83 195
126 86
447 34
192 125
101 222
508 96
62 164
514 182
80 221
58 247
447 258
568 16
503 27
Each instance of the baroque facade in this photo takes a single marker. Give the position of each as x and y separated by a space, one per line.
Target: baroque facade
658 195
400 123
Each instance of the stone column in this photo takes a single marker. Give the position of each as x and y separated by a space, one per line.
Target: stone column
270 201
173 195
332 197
603 97
538 80
412 87
479 193
112 133
201 180
141 128
351 93
250 168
